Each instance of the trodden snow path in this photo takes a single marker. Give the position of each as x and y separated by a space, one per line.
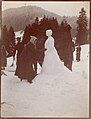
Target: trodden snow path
63 99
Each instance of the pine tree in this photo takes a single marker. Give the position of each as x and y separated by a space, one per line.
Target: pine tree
37 20
4 34
12 35
11 41
82 27
26 35
35 27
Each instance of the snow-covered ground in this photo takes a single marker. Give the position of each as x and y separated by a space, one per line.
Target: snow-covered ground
66 98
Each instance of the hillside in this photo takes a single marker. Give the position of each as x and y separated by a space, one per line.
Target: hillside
18 18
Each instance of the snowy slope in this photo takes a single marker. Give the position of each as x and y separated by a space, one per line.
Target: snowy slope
64 98
82 67
19 33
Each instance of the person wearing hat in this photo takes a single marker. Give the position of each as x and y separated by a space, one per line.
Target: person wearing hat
26 61
33 40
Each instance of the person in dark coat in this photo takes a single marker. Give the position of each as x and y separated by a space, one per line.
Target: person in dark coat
34 40
26 61
78 53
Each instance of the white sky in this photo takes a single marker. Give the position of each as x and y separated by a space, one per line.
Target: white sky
61 8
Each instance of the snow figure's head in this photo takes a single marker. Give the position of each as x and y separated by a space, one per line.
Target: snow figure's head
49 32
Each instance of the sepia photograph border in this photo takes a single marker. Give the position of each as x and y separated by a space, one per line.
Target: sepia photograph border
89 60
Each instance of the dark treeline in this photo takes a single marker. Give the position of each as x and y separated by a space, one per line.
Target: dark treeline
39 27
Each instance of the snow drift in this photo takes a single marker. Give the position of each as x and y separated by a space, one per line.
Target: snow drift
47 96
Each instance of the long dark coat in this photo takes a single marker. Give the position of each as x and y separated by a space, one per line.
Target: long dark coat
25 69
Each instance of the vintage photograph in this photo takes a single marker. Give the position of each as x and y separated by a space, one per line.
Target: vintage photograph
45 59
